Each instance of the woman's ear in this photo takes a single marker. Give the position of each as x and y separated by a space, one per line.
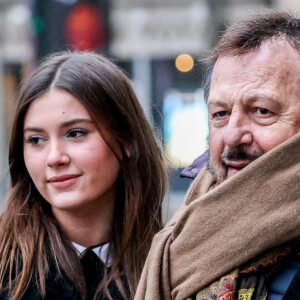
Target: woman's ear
132 150
127 151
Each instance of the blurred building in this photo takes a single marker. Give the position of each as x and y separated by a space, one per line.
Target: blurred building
147 38
16 54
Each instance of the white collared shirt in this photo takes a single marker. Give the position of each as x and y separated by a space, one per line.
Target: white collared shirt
101 252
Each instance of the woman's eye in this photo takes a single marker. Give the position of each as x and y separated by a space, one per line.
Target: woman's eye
35 140
77 133
220 114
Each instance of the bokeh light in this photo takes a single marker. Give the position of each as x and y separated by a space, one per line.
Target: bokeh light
184 63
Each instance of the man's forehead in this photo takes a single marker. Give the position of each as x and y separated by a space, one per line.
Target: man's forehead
270 51
274 61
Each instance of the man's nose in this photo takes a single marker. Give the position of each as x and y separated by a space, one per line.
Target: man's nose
58 154
238 130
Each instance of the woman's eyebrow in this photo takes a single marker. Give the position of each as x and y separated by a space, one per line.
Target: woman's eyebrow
35 129
62 125
75 121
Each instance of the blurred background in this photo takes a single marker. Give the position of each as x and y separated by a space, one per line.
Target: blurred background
158 43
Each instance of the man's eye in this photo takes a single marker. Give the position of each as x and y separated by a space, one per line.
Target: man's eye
220 114
262 111
77 133
35 140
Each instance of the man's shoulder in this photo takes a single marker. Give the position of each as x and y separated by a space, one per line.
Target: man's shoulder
194 169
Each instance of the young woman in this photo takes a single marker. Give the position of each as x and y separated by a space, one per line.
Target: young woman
86 173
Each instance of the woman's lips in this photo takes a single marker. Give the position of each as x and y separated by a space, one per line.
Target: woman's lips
63 181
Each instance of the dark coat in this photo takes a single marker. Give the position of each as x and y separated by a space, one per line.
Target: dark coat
62 289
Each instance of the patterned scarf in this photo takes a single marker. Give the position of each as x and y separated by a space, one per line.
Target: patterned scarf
250 281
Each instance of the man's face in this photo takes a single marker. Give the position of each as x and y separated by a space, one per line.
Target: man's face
254 105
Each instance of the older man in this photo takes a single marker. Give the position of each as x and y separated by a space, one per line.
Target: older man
237 235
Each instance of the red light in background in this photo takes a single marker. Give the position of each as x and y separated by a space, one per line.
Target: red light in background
84 27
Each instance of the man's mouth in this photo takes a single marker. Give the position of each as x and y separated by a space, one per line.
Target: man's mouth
233 160
237 164
234 167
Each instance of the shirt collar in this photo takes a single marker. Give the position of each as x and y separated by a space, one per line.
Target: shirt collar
102 252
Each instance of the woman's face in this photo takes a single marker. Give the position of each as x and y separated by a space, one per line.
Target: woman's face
69 162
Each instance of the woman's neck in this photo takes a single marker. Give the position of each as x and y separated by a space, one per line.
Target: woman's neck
89 225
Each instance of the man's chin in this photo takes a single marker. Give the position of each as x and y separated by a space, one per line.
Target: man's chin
219 175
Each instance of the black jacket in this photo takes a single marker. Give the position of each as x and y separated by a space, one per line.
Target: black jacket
62 289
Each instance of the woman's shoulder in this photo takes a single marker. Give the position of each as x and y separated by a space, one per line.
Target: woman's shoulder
57 287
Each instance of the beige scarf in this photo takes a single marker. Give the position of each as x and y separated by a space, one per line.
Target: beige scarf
219 229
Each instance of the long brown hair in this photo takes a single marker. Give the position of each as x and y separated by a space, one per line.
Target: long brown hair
30 235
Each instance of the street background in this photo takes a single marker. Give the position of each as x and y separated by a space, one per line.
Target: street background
158 43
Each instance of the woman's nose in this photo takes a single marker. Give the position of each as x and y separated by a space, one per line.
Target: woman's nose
57 155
